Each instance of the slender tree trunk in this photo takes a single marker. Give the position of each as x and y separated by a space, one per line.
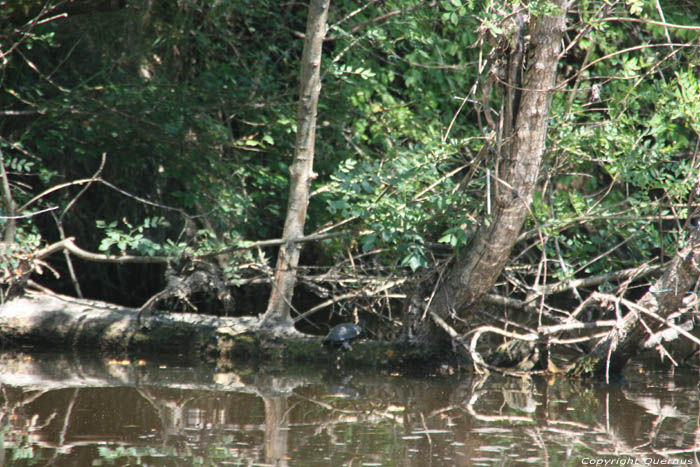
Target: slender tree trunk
524 128
301 171
10 208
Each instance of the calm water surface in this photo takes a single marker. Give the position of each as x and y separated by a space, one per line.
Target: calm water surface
68 411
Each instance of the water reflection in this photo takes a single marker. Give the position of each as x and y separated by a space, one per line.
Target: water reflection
61 410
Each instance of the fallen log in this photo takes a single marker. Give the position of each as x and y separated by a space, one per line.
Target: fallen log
59 323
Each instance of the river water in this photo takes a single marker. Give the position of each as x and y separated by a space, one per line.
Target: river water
65 410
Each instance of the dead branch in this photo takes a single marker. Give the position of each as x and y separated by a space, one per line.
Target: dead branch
635 273
655 338
355 294
480 364
273 242
69 244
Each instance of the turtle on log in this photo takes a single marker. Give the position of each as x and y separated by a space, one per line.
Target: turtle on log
343 334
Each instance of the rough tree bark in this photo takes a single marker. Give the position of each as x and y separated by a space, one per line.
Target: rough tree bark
522 144
277 314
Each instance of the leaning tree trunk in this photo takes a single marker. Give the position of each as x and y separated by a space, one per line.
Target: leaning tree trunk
301 171
522 144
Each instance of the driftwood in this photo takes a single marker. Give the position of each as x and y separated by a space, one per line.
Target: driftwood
666 312
653 319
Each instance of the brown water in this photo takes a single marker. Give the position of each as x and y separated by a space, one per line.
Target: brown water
67 411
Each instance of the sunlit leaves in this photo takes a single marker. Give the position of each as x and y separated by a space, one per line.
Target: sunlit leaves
455 237
455 9
392 199
19 164
131 238
635 6
344 70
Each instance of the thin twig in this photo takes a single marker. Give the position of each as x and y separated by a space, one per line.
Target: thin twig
336 299
655 23
59 224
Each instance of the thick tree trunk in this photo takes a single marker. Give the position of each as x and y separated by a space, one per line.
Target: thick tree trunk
522 145
301 172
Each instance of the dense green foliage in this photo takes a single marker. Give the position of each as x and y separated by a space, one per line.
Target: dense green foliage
193 104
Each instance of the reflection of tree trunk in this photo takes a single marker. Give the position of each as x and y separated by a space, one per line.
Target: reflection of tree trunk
276 430
171 413
301 170
521 149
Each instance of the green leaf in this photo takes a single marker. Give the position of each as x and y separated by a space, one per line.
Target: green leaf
368 242
414 260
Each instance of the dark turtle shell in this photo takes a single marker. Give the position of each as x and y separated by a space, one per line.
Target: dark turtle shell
343 334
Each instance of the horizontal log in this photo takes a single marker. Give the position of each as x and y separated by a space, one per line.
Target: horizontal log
62 323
